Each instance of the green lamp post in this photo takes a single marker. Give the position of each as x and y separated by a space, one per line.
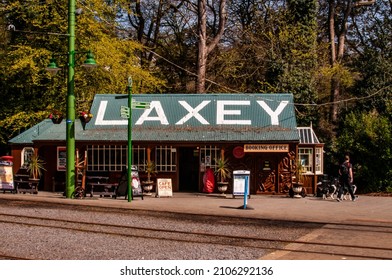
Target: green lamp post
70 114
70 121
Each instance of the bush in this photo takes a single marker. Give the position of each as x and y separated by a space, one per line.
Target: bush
366 137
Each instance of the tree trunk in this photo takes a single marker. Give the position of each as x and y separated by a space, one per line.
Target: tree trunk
203 47
336 56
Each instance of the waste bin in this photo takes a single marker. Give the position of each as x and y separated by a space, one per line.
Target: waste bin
241 183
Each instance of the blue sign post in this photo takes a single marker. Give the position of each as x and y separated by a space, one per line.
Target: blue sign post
246 191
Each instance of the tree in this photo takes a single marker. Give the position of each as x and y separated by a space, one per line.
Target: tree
38 30
367 137
372 55
206 45
339 15
297 38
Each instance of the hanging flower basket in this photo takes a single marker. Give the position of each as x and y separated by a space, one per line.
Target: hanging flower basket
56 117
85 117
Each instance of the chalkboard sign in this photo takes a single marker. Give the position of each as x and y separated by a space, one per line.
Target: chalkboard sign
164 187
122 189
135 183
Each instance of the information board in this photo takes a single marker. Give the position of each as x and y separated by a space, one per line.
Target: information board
164 187
239 185
61 158
240 182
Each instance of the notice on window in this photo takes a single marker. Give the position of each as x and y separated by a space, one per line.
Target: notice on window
164 187
61 158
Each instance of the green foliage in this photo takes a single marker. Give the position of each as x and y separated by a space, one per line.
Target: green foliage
40 32
222 169
35 166
303 11
367 137
340 72
14 124
150 169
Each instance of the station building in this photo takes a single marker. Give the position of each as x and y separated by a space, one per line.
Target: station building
183 134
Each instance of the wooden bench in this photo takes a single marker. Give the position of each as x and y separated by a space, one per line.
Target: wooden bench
99 185
102 189
27 186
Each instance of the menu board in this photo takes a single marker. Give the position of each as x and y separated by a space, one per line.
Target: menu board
164 187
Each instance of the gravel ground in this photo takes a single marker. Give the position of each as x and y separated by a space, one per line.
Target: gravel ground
59 244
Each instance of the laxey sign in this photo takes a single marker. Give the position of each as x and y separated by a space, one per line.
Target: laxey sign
257 110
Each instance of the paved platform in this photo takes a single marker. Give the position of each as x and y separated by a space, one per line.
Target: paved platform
366 210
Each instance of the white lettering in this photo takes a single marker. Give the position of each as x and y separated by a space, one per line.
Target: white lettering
193 112
224 116
161 117
101 113
274 115
221 112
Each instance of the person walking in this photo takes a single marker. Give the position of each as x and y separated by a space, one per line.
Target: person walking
346 179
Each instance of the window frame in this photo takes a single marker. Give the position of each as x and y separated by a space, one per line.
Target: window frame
25 155
114 158
308 166
165 159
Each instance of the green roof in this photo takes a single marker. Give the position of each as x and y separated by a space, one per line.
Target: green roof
29 135
187 118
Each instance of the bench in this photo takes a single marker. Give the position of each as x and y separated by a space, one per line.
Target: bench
102 189
26 186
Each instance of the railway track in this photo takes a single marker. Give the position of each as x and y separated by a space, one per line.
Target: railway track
325 246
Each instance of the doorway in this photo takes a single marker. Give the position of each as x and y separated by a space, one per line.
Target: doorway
189 169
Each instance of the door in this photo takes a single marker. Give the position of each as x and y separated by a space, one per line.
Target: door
189 169
266 174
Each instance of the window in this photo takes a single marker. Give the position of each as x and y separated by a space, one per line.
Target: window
27 153
166 159
306 159
113 157
319 161
208 154
139 157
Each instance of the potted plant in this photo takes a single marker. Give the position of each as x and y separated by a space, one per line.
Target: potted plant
299 180
35 167
223 173
150 169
